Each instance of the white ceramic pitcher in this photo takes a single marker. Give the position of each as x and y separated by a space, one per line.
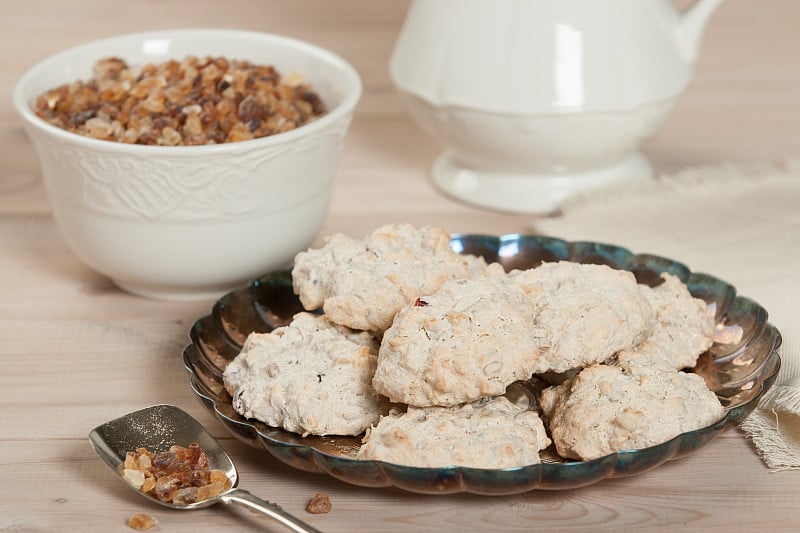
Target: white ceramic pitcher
537 100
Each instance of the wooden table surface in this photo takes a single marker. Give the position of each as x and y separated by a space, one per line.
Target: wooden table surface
76 351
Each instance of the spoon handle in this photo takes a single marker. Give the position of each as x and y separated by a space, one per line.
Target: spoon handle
255 503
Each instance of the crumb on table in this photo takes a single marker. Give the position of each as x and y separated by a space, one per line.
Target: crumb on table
319 504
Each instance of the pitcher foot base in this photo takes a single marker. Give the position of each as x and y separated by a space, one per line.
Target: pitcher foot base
531 193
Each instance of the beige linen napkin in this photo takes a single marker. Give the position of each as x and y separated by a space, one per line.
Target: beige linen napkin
739 223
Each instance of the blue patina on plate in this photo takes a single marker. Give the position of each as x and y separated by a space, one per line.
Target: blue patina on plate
738 373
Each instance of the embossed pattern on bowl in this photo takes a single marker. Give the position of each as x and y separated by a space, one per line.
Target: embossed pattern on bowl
177 222
738 373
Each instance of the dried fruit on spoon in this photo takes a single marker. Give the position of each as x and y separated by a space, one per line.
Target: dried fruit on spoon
180 475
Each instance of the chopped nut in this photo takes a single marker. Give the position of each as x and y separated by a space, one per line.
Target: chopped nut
188 102
142 521
319 504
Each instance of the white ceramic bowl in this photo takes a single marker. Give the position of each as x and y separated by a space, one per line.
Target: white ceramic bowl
190 222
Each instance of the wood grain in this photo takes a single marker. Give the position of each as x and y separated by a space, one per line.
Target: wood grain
76 351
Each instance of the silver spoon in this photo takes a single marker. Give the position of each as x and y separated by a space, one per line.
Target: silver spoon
159 427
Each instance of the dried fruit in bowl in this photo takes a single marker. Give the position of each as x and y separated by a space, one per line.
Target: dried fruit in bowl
194 101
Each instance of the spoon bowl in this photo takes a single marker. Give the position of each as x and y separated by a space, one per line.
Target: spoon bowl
159 427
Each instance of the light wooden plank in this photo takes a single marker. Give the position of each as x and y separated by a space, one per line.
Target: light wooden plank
76 351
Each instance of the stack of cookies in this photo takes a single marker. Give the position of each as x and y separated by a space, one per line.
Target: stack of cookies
416 346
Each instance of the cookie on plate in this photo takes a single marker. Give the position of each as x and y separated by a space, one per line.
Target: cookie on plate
488 433
591 312
608 408
468 340
684 326
310 377
363 283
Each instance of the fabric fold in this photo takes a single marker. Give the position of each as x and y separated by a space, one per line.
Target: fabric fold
774 427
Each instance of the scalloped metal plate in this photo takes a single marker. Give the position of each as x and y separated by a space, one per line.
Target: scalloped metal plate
739 374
